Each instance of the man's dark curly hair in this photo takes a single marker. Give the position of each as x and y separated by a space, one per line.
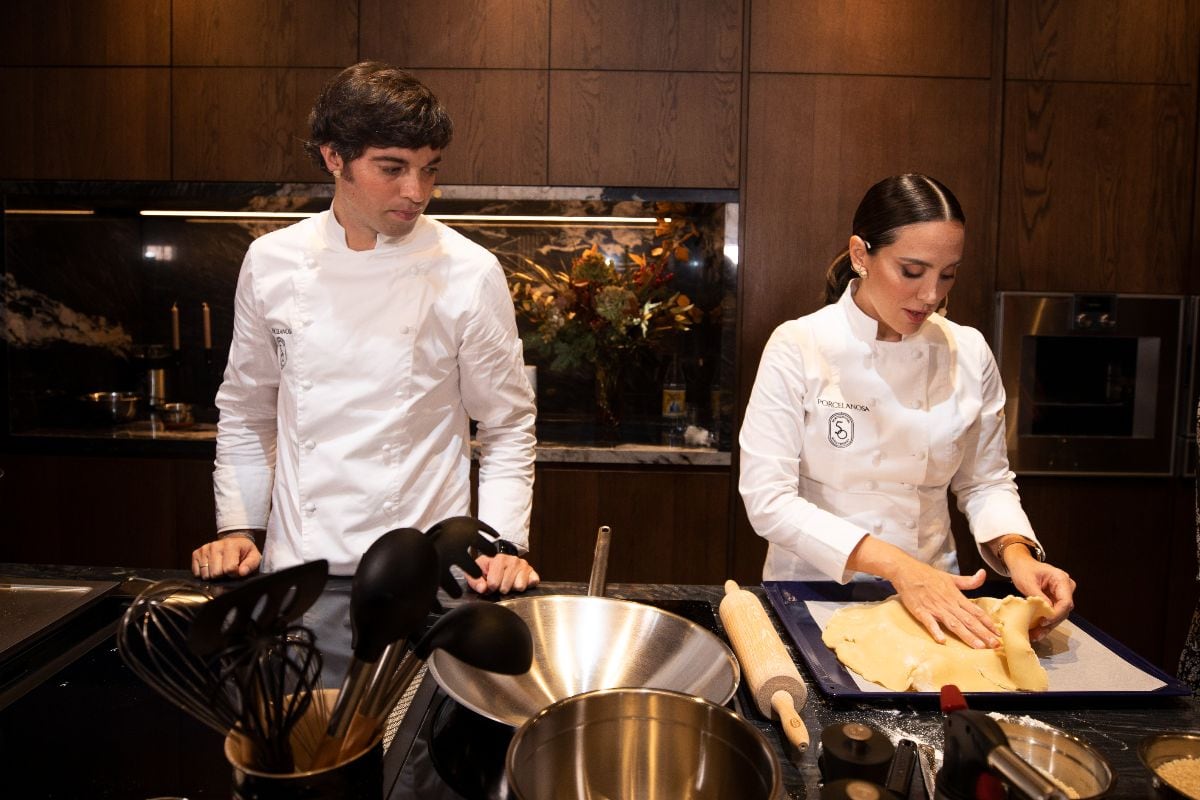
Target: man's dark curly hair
373 104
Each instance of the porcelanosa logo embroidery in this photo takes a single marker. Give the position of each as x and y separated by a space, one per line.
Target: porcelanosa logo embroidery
280 346
841 429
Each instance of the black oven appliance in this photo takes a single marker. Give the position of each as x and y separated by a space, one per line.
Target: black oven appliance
1186 446
1093 381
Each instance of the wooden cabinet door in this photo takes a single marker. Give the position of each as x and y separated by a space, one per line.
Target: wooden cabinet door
1096 188
948 38
675 129
243 124
1126 41
499 125
456 34
669 525
105 511
694 35
73 33
85 123
282 33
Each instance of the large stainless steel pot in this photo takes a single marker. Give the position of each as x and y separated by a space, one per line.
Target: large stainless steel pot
646 744
584 643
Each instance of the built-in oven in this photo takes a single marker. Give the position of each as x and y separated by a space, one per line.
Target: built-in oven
1186 446
1093 381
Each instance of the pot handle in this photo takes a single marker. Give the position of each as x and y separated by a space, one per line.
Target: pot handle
599 562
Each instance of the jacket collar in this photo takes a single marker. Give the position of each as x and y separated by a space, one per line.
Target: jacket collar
861 325
865 328
333 236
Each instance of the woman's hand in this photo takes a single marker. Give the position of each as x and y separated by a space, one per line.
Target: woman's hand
503 573
1035 579
934 598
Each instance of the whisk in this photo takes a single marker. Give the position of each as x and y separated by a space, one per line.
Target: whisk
275 678
152 640
268 666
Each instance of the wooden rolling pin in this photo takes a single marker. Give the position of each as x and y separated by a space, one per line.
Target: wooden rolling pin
774 680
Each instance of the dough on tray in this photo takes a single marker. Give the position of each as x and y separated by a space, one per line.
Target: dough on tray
884 644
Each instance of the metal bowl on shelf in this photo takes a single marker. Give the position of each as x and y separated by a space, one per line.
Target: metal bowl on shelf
175 416
111 408
1173 761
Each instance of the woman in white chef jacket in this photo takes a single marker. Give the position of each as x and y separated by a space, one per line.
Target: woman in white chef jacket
866 412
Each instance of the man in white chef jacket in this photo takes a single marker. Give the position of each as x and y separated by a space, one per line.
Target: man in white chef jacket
365 339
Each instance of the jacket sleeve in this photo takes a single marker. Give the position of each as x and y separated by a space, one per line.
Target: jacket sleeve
497 395
246 431
984 486
772 444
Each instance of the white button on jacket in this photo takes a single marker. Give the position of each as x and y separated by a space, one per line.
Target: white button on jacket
821 413
402 346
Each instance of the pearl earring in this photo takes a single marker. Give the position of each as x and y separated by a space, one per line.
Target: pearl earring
337 173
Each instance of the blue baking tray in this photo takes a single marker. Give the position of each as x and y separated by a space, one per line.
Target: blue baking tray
789 597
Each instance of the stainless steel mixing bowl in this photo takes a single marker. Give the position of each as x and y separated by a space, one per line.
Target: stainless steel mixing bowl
583 643
111 407
646 744
1065 758
1161 748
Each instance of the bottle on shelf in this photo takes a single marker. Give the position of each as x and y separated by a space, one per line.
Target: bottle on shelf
674 402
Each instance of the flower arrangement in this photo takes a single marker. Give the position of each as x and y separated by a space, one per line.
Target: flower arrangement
598 310
600 314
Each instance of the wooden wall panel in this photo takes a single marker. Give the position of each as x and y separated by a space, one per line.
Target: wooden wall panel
921 37
1113 535
70 33
285 33
646 34
88 511
644 129
1096 189
239 124
86 123
499 125
1149 41
669 525
487 34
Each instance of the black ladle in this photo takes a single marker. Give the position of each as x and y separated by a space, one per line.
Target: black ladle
486 636
392 592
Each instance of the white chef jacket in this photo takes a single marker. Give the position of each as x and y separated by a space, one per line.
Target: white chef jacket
846 435
351 380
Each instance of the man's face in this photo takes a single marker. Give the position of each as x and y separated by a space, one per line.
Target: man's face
383 191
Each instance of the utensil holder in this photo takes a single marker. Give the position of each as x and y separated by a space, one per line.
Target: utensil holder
359 776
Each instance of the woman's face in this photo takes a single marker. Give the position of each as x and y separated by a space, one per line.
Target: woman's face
907 280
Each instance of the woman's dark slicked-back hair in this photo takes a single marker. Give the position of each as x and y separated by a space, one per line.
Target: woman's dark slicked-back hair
373 104
886 207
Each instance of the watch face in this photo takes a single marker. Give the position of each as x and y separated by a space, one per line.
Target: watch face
507 548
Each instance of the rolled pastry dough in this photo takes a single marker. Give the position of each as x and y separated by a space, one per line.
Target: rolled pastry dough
883 643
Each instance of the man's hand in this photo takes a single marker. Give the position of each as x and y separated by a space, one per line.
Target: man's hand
233 556
503 573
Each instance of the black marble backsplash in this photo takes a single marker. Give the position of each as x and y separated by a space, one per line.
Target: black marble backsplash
84 293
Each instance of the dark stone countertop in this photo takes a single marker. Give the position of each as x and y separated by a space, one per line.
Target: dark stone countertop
145 439
1114 727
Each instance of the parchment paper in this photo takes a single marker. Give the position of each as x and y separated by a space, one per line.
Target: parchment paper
1074 661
